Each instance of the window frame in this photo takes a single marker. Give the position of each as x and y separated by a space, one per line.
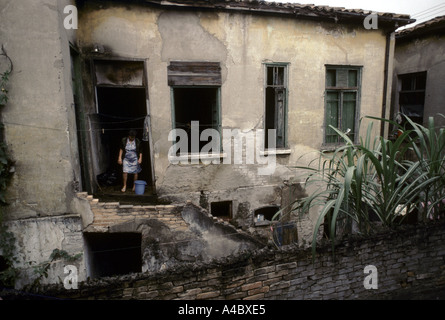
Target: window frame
285 87
341 90
218 111
413 77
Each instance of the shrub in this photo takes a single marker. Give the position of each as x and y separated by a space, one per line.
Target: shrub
360 187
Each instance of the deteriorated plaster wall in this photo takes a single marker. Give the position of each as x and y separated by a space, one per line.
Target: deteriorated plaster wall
422 53
234 40
171 234
40 123
241 43
36 238
410 264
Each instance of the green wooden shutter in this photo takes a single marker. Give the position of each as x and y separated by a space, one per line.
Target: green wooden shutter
348 112
332 115
342 78
280 96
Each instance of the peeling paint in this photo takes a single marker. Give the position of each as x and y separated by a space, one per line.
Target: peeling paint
184 38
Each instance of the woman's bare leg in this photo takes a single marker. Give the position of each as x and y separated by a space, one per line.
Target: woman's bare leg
124 178
134 180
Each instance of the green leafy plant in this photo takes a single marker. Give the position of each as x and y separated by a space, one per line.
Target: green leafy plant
368 186
7 247
4 78
41 270
6 172
428 145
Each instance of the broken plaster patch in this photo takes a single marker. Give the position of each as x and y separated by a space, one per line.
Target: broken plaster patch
184 38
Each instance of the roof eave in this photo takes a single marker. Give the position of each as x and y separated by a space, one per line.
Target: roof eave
435 26
389 20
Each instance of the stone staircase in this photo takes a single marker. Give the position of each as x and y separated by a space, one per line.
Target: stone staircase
109 214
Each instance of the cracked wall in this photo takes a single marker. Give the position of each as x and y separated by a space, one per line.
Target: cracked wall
40 127
241 43
37 238
420 54
171 234
41 135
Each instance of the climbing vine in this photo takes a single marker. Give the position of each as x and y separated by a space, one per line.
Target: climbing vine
5 161
4 76
41 270
8 273
3 88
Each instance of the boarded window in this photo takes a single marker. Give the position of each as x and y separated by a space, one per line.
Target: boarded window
182 73
276 104
342 102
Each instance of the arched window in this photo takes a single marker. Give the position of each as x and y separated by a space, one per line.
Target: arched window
265 213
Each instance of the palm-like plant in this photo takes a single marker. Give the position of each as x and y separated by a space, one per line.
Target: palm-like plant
428 144
359 185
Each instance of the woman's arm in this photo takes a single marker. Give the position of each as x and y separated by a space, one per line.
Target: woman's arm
119 159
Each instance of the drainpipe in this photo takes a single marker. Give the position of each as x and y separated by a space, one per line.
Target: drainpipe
387 82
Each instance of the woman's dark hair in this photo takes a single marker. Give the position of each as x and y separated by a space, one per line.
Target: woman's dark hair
132 133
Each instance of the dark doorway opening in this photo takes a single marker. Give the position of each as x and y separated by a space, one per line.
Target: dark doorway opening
112 254
120 110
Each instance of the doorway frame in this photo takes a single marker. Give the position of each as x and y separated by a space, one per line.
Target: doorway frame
147 102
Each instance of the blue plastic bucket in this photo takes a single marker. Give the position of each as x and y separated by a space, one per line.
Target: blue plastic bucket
140 187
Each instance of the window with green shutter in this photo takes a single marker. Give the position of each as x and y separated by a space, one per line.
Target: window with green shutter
342 100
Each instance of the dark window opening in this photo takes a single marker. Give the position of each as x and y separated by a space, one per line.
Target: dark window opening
5 281
3 264
112 254
266 213
222 209
192 104
276 105
412 96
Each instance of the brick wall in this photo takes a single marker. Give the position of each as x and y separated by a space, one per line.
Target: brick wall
410 264
107 214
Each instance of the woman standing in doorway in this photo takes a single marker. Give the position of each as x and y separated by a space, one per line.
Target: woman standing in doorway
130 156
